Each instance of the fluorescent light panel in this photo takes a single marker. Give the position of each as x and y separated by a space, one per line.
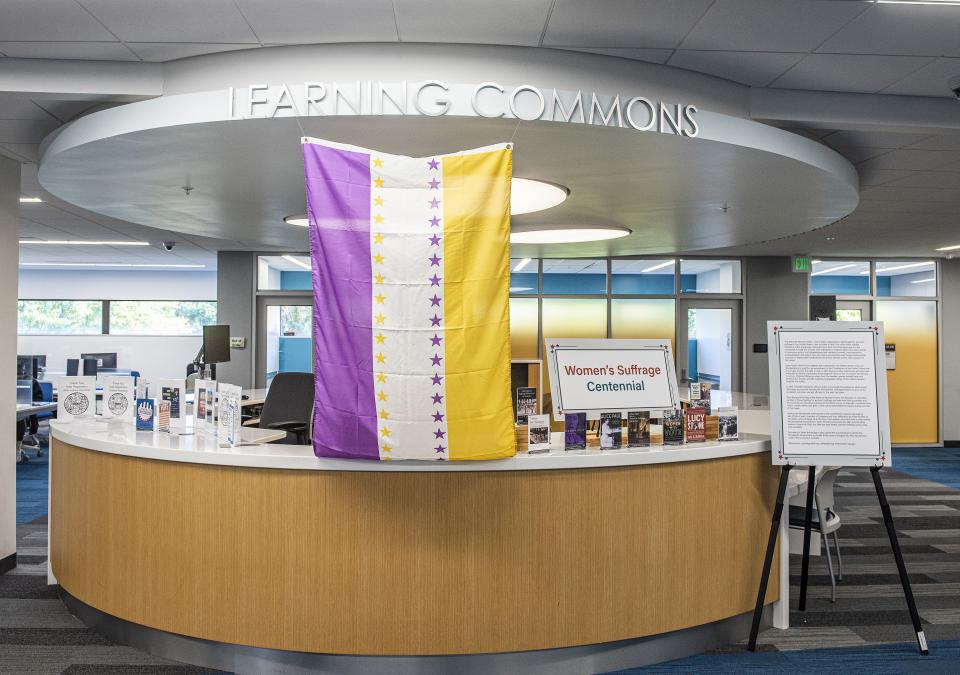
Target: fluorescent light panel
124 265
662 265
81 242
31 200
949 248
905 266
924 281
520 265
295 261
834 269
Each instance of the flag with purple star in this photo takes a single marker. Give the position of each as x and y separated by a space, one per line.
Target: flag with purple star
411 282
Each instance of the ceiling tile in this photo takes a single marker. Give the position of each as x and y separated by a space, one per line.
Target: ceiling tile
87 51
22 152
919 30
170 51
941 180
19 107
846 72
931 80
912 160
871 139
66 110
495 21
26 131
309 21
51 20
622 23
870 177
856 155
938 142
769 25
648 55
172 20
921 195
756 69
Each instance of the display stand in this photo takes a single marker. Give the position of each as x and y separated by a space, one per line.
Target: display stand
807 523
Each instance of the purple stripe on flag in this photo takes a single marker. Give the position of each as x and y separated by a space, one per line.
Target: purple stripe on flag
338 203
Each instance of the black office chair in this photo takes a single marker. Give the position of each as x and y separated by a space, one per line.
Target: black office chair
289 406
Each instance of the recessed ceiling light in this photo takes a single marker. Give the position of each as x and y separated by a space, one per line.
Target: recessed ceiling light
565 234
661 266
124 265
296 261
82 242
917 2
520 265
528 195
949 248
299 221
31 200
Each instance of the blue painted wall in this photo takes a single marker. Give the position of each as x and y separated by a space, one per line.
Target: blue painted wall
843 285
295 354
295 281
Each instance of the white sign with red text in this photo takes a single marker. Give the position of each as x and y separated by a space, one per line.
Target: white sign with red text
593 376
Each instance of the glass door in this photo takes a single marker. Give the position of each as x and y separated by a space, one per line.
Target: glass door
708 343
853 310
285 336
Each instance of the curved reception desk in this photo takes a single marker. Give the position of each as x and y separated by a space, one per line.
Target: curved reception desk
565 561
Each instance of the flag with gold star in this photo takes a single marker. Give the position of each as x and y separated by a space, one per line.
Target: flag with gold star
411 283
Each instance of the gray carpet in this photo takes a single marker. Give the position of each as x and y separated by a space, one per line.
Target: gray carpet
38 635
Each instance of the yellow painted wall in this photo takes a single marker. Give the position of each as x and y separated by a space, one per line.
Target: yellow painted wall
913 387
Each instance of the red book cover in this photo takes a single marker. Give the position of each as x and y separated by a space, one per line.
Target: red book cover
695 424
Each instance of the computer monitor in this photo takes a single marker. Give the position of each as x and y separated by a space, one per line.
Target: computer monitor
90 367
216 344
73 367
104 360
27 367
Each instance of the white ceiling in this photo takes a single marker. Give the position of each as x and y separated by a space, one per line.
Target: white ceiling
910 181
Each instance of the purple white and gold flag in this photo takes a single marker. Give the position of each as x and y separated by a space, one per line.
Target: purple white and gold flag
411 277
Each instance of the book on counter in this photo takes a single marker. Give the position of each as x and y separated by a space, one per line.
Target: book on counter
538 433
163 415
673 427
174 391
727 424
526 403
146 414
695 424
638 429
611 430
656 431
700 395
575 431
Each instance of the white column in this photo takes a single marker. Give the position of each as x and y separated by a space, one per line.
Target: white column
9 258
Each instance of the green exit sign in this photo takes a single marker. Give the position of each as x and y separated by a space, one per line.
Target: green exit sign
801 263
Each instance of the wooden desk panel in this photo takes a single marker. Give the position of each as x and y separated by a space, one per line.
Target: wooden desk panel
411 563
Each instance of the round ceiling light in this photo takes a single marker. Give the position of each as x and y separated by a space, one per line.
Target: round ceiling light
565 234
299 221
528 195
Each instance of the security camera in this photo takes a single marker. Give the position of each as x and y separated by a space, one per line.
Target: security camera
954 84
168 245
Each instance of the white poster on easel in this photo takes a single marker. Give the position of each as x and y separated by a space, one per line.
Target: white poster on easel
828 393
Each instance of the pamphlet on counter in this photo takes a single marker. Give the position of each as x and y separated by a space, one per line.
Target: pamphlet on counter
118 397
77 397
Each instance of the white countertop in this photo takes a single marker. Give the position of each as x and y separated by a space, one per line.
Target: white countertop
123 439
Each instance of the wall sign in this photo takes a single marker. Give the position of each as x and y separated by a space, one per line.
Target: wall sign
434 98
828 393
610 375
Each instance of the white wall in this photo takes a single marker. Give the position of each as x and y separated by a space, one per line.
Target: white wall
9 252
38 284
154 357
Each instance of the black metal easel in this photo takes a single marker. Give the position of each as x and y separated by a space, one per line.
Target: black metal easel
807 523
